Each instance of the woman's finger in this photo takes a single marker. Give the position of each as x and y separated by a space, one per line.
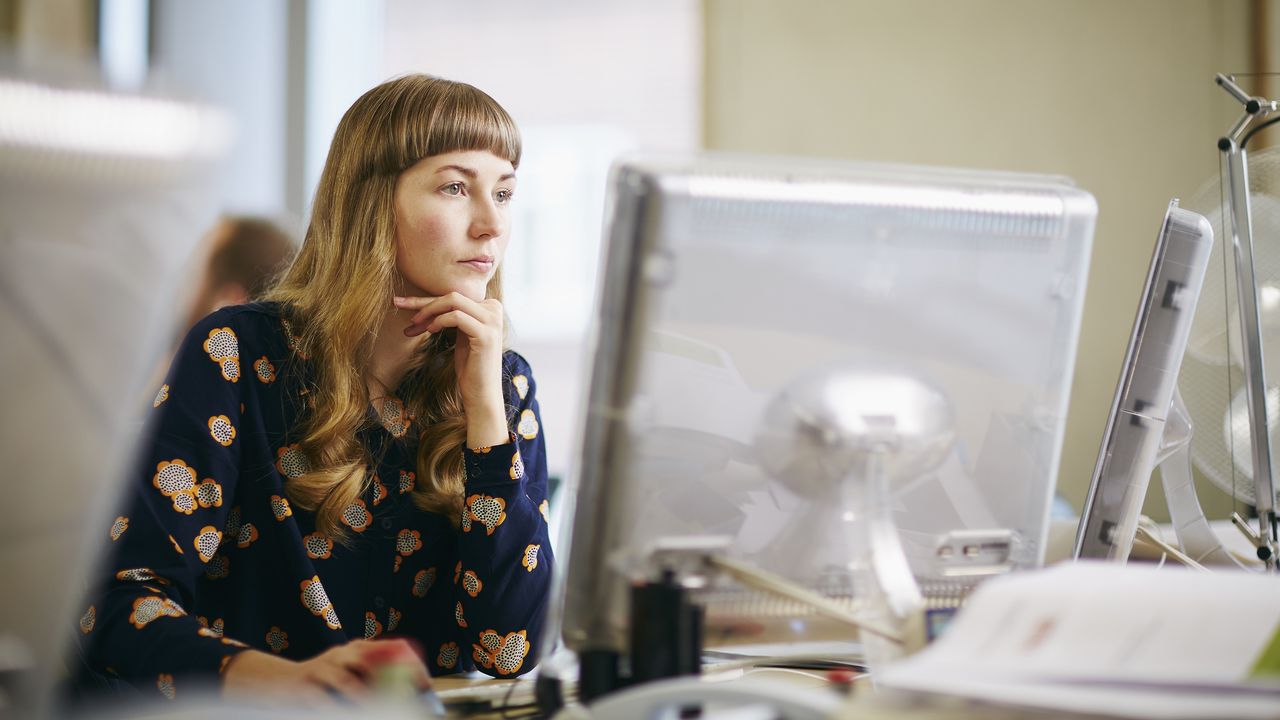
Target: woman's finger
412 302
483 317
344 681
465 323
482 311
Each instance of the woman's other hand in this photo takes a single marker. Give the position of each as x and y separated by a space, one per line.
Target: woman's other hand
347 672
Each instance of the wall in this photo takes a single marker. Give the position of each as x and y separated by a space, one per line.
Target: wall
1118 96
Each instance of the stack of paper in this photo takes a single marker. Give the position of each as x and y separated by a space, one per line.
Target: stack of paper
1110 639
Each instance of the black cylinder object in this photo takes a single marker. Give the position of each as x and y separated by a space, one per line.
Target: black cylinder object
666 632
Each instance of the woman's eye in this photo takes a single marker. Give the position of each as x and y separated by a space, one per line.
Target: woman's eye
504 196
452 189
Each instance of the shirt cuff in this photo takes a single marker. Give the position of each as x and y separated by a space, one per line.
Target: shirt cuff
494 465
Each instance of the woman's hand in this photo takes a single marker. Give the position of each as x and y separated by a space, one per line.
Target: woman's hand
477 357
347 671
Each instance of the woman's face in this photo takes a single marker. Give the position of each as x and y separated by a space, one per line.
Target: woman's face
452 222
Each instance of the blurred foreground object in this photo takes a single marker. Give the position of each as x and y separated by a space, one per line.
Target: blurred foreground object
100 198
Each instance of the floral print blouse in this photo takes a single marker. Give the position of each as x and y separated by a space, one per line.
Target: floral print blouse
209 557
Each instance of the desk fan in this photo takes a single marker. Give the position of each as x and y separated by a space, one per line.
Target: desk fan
1212 381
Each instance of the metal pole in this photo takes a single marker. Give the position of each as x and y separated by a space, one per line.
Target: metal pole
1236 162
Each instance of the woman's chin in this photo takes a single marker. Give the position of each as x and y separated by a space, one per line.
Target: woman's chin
477 292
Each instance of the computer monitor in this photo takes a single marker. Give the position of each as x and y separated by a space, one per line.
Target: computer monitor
728 278
1136 424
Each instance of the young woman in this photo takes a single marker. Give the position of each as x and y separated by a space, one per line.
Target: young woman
356 457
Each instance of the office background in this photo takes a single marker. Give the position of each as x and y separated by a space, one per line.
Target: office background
1117 95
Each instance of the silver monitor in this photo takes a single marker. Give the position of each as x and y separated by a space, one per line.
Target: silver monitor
1136 425
727 279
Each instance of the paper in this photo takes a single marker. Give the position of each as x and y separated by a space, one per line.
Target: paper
1124 640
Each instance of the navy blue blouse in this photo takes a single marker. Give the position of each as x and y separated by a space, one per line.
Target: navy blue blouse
209 557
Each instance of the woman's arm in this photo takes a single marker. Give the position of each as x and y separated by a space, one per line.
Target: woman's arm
138 627
502 583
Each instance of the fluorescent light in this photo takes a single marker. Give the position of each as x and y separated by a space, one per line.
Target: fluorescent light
42 118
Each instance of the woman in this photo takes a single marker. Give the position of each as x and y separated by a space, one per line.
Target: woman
357 457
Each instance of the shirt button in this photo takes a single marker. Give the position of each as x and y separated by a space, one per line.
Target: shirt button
386 523
379 602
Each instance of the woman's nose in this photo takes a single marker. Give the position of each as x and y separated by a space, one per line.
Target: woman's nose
487 219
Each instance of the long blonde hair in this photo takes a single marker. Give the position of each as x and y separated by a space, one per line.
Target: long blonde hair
338 290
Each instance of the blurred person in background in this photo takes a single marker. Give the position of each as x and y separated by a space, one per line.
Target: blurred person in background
357 457
240 257
236 261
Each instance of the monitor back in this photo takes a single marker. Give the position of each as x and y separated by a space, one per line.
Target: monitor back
729 278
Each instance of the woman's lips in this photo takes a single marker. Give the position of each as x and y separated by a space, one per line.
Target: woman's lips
477 264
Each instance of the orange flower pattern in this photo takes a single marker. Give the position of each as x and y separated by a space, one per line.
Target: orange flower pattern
218 568
315 599
505 654
292 462
118 527
372 628
280 507
140 575
528 425
223 348
318 546
248 533
221 429
448 656
176 480
471 583
423 581
264 370
161 395
149 608
231 530
209 493
487 510
277 640
356 516
530 560
395 417
207 542
408 542
379 491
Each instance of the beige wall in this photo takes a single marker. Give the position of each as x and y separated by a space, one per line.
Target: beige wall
41 29
1117 95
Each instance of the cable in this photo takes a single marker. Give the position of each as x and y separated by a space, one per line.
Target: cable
1245 140
770 583
1169 550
